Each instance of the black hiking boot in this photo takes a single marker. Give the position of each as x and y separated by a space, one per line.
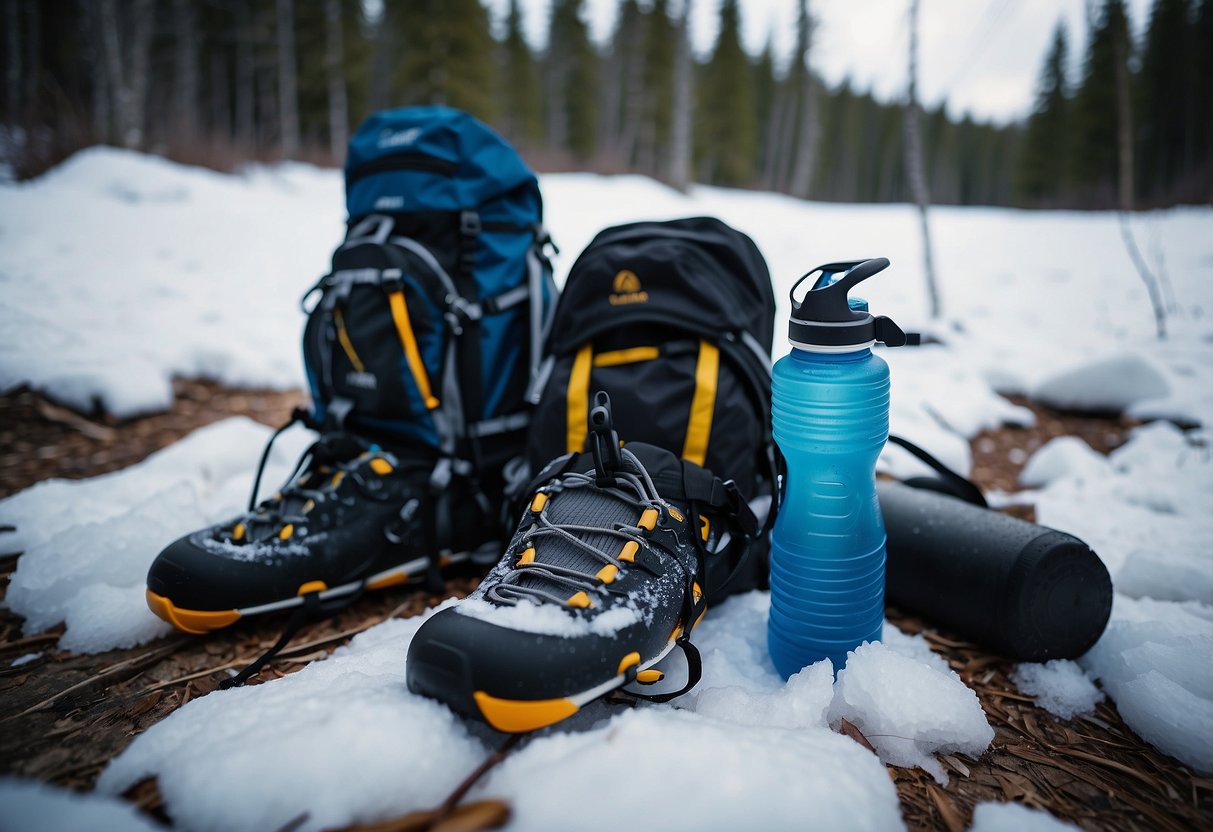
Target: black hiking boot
599 584
356 517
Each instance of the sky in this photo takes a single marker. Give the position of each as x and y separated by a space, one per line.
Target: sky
980 56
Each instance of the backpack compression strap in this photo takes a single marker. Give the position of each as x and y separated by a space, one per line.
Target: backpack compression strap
703 403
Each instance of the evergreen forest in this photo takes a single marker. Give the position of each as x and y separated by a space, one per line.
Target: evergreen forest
220 82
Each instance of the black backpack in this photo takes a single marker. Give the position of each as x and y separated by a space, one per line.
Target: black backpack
674 320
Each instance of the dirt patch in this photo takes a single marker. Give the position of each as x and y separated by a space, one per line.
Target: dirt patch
65 715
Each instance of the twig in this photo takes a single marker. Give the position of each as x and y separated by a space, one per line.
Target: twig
29 641
463 788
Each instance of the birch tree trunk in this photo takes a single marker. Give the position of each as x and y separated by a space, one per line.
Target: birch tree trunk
339 118
914 165
288 94
680 130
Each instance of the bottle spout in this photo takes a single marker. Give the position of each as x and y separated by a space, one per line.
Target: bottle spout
824 319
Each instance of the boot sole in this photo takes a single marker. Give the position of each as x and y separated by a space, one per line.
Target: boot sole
200 622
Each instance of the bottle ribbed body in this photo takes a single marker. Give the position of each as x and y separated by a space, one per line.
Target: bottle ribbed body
830 418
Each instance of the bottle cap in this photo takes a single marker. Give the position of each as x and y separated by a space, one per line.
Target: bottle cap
825 321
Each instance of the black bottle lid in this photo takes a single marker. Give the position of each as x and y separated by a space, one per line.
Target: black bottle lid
824 320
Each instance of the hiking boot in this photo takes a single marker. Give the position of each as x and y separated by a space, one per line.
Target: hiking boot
599 584
356 517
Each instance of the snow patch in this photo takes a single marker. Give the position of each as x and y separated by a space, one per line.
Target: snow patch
549 619
1060 687
1064 456
1013 817
26 805
1106 384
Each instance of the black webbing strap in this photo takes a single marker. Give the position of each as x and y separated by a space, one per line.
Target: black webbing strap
312 609
468 349
963 487
297 415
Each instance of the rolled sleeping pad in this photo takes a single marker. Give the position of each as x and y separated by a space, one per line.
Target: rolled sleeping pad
1029 592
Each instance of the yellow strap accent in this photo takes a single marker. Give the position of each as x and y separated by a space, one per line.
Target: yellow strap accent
628 555
286 532
579 399
539 502
630 660
649 677
381 466
700 424
648 519
346 344
400 314
580 600
608 573
312 586
528 556
632 355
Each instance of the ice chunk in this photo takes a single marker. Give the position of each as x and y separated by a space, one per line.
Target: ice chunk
802 703
1155 660
908 709
27 804
1060 687
667 769
1110 383
1169 717
1063 456
1013 817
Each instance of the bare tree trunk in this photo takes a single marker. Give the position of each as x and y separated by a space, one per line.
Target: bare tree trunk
288 94
806 144
785 141
680 129
221 98
140 53
1124 121
186 93
557 103
33 64
914 165
246 76
804 154
612 97
12 69
339 118
95 54
112 50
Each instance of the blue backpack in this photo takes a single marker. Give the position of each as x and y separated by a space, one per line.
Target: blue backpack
430 326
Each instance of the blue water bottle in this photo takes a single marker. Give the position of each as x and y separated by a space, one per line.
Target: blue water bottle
830 418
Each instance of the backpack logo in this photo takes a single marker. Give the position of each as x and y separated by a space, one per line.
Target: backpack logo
398 138
366 381
627 289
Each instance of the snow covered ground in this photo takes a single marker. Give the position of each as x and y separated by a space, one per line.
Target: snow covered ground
119 271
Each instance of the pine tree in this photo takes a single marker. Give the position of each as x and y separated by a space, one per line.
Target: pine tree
661 34
1043 172
1201 178
571 82
1096 126
522 119
446 55
727 132
1165 100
